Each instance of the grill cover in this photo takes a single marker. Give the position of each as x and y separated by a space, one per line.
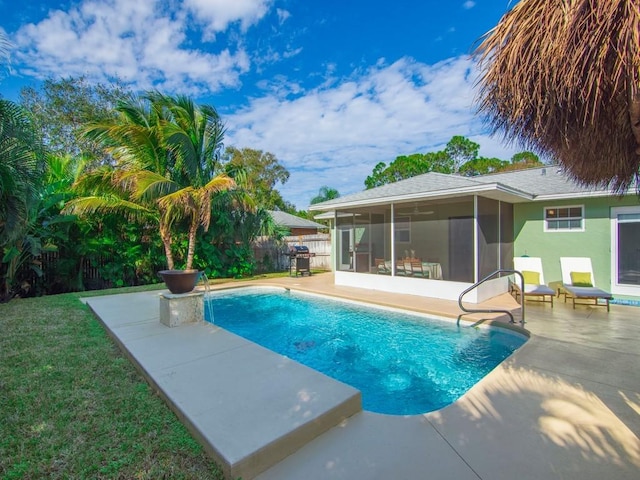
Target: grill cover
296 249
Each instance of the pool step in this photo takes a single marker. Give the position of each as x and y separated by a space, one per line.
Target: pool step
249 406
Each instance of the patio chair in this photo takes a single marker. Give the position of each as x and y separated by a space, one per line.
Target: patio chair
534 284
383 267
403 268
417 270
578 282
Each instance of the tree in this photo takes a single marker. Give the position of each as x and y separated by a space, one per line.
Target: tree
194 138
564 78
62 107
526 158
461 150
21 170
482 166
407 166
166 151
325 193
458 151
460 155
523 160
262 171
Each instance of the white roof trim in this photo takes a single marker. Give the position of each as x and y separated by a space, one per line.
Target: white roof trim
574 195
453 192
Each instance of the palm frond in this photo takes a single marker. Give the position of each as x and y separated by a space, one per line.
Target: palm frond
89 205
563 77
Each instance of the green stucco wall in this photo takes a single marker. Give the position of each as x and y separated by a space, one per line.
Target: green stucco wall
593 242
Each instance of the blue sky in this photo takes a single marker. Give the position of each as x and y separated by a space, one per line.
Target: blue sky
329 87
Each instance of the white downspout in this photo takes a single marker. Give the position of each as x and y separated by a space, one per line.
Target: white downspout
475 239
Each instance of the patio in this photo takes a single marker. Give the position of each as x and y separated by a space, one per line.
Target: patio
566 405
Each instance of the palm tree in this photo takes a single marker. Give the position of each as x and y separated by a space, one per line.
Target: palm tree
325 193
563 76
165 151
20 171
194 137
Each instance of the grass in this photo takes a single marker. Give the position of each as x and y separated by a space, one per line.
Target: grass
72 405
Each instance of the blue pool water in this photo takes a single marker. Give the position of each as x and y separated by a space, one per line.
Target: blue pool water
403 364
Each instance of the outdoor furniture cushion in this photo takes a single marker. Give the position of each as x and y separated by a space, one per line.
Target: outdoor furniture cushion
531 277
581 279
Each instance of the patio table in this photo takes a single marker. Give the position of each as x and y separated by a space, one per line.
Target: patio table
434 269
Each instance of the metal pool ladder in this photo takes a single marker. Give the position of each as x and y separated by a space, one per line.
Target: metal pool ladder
482 310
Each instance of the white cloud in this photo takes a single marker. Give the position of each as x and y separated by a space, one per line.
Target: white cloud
282 15
469 4
138 41
220 13
335 135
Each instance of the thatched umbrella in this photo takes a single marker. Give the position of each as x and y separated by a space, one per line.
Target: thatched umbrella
562 77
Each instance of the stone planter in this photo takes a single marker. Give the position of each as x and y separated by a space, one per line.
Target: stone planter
180 281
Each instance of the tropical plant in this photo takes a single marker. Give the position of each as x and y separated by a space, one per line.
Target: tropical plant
325 193
563 77
166 150
21 169
20 177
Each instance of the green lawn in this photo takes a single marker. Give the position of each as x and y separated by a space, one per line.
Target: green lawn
73 406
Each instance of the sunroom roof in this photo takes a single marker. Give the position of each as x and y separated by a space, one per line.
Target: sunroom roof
514 187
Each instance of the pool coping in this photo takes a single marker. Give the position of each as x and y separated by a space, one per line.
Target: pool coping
449 442
264 407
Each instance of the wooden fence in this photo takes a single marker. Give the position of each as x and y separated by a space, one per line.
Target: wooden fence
272 256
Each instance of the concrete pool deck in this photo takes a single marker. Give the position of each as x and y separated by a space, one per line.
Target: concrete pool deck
566 405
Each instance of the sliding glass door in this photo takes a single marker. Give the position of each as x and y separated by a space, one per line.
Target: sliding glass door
625 254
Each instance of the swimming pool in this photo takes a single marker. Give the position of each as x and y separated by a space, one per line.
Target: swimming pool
403 363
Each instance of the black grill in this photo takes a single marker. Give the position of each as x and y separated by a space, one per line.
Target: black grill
299 262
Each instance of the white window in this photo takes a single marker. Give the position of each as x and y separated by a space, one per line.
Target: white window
564 219
402 233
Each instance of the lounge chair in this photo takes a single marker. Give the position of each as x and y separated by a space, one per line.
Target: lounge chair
534 284
578 282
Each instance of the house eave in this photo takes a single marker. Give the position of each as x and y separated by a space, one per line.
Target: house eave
575 195
495 191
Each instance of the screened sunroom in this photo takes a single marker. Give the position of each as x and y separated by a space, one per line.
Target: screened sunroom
435 246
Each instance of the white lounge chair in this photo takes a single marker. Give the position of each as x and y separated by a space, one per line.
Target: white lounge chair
578 282
534 284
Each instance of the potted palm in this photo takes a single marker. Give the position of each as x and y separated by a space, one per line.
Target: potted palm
166 150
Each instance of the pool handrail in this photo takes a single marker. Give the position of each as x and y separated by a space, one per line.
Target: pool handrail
484 310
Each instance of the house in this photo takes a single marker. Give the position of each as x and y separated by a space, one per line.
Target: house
459 230
296 225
